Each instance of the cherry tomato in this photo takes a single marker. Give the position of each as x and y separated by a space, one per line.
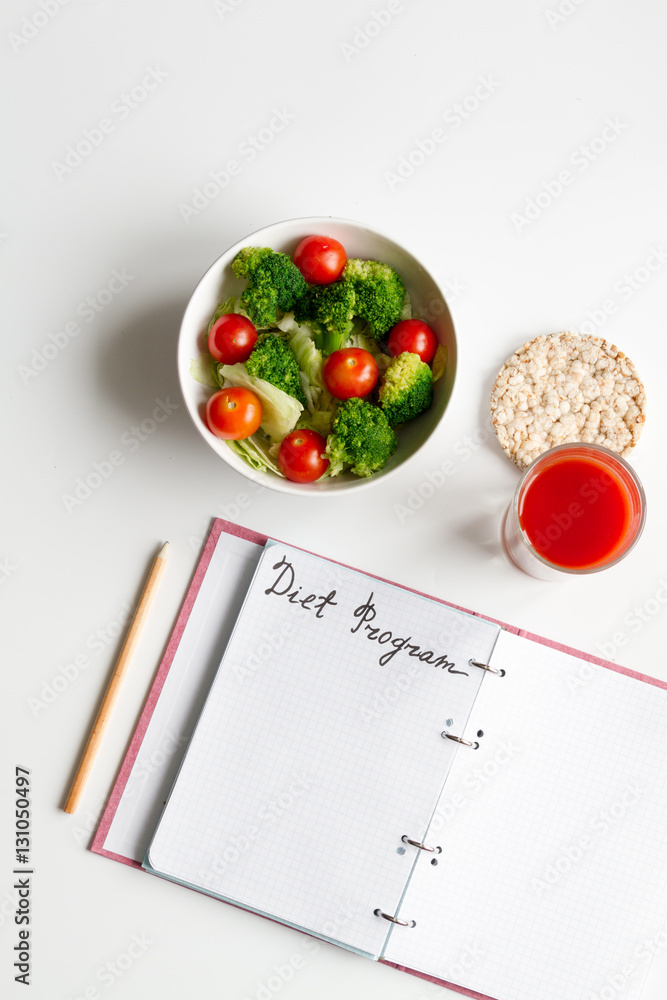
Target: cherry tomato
350 372
232 339
233 413
300 456
415 336
320 259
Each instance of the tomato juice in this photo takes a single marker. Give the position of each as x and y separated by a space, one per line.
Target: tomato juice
578 509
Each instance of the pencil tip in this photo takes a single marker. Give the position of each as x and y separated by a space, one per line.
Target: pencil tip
163 551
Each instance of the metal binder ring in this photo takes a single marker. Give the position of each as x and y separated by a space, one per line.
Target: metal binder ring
486 666
395 920
422 847
457 739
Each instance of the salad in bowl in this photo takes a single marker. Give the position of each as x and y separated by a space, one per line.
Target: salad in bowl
316 355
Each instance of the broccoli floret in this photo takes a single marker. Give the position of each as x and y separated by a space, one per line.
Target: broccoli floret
361 438
274 360
329 309
406 389
379 294
274 283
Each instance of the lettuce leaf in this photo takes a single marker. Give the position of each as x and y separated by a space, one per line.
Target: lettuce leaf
257 452
310 360
280 410
319 420
230 305
439 364
203 369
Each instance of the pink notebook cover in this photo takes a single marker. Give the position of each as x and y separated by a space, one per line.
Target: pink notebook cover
219 526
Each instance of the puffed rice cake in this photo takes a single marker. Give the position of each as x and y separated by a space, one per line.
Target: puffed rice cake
563 388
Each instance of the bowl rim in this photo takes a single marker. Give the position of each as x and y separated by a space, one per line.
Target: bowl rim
277 483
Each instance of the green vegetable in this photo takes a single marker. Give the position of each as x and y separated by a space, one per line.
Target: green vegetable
274 283
204 369
439 363
273 360
257 452
308 357
406 389
361 438
379 294
319 420
280 411
329 309
230 305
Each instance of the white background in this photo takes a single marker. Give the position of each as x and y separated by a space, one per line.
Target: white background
357 102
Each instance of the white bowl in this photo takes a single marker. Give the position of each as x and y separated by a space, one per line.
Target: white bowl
361 241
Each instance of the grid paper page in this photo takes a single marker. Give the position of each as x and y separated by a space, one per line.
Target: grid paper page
553 878
312 758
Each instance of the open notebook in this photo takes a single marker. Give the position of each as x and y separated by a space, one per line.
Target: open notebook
324 748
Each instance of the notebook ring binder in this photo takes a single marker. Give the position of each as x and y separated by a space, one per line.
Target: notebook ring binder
458 739
487 666
422 847
394 920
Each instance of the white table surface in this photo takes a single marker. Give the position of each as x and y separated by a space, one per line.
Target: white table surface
179 90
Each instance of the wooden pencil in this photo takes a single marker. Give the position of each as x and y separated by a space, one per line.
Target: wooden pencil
120 670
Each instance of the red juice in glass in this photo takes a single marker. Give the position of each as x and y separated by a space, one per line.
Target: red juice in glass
578 509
